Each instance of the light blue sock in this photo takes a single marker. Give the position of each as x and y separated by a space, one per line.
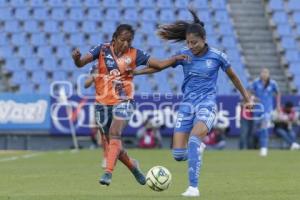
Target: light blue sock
180 154
194 160
263 138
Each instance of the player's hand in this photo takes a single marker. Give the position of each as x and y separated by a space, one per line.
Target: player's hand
76 54
249 104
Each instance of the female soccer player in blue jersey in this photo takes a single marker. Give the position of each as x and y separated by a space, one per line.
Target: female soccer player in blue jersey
197 112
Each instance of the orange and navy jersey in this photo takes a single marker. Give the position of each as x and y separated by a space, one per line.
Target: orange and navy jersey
114 82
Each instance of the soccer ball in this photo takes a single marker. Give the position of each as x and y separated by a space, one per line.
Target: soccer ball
158 178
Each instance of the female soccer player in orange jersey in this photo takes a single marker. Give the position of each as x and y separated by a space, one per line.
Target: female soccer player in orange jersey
114 91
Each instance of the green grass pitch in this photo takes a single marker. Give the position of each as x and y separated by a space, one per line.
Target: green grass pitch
225 175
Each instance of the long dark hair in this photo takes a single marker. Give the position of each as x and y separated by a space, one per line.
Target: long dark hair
121 28
178 30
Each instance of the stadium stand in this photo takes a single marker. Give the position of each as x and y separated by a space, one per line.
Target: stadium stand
38 36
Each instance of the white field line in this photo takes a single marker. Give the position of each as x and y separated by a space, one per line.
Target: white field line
26 156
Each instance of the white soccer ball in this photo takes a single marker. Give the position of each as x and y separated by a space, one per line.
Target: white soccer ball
158 178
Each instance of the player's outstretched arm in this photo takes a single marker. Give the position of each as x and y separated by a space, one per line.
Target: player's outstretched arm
146 70
163 64
81 61
238 85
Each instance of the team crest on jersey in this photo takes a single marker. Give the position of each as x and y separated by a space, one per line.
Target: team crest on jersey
110 63
209 63
114 72
127 60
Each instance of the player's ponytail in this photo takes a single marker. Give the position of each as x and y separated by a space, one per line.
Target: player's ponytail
177 31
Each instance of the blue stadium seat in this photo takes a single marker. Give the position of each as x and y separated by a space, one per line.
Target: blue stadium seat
12 26
57 39
69 27
147 28
39 77
292 56
6 52
31 64
222 16
280 17
212 41
51 26
19 78
149 15
158 53
293 5
131 15
31 26
12 65
3 39
59 76
37 3
56 3
294 68
94 14
38 39
184 15
22 13
75 3
50 64
233 54
76 14
43 89
110 4
77 39
163 84
91 3
209 28
181 4
142 85
18 3
112 14
108 26
19 39
218 5
296 17
225 29
166 15
284 30
276 5
26 88
147 4
139 40
288 43
128 3
44 51
40 14
6 14
63 52
4 4
67 64
297 31
200 4
229 42
58 14
165 4
89 27
153 41
95 38
204 16
25 51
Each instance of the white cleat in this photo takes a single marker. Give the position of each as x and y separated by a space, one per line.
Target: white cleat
295 146
202 147
191 192
263 152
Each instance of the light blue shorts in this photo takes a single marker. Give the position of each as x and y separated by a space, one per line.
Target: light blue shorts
187 118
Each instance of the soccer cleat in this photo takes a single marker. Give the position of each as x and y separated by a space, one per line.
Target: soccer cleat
263 152
191 192
105 179
138 174
295 146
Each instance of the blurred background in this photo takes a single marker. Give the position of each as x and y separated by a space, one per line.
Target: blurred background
37 38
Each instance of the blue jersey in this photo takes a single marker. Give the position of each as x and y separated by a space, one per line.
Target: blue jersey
265 94
200 75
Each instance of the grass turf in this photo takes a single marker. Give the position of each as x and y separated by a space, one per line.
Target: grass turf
225 175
